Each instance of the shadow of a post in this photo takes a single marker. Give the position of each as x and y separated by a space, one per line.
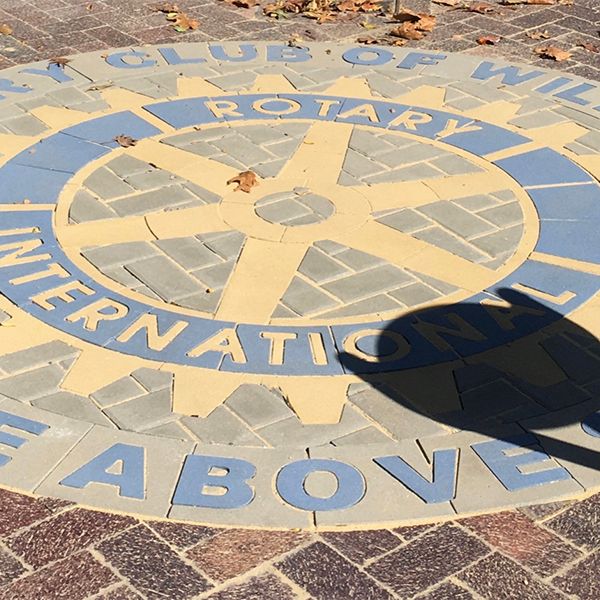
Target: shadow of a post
461 332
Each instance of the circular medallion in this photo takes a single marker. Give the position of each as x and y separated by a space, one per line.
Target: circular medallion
264 285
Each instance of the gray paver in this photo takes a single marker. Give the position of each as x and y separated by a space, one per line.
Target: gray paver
401 422
146 202
319 267
361 285
120 390
221 427
291 433
257 405
38 355
303 298
164 277
456 219
153 379
73 406
32 384
142 413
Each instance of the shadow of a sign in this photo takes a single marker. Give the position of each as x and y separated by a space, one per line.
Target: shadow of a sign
490 389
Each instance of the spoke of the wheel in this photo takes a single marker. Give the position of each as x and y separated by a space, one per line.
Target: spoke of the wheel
105 231
383 196
405 251
261 276
321 155
186 221
168 224
209 174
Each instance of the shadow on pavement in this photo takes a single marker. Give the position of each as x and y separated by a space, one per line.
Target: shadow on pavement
566 363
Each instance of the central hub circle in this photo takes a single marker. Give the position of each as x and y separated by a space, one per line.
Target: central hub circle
297 207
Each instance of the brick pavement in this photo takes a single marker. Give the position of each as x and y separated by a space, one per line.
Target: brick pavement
540 552
543 551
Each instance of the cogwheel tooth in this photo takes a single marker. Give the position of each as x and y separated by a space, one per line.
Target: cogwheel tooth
353 87
191 87
57 117
97 367
300 394
557 135
271 83
120 99
428 96
13 144
499 112
198 391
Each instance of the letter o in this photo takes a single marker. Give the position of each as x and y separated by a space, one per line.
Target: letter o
402 347
354 56
291 106
291 478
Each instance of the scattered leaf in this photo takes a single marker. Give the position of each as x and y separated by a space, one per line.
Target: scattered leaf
538 35
295 41
481 8
446 2
5 29
413 25
407 31
384 41
60 61
589 47
244 3
166 7
367 25
246 180
125 141
553 53
538 2
488 40
182 22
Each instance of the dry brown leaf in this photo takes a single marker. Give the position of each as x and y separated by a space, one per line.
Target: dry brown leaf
125 141
295 41
411 21
407 31
488 40
384 41
446 2
244 3
481 8
553 53
538 2
166 7
182 22
538 35
5 29
589 47
246 180
60 61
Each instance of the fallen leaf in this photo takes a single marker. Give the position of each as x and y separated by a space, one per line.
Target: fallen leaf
481 7
166 7
589 47
488 40
553 53
246 180
446 2
407 31
384 41
60 61
125 141
245 3
295 42
367 25
538 35
538 2
181 22
5 29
